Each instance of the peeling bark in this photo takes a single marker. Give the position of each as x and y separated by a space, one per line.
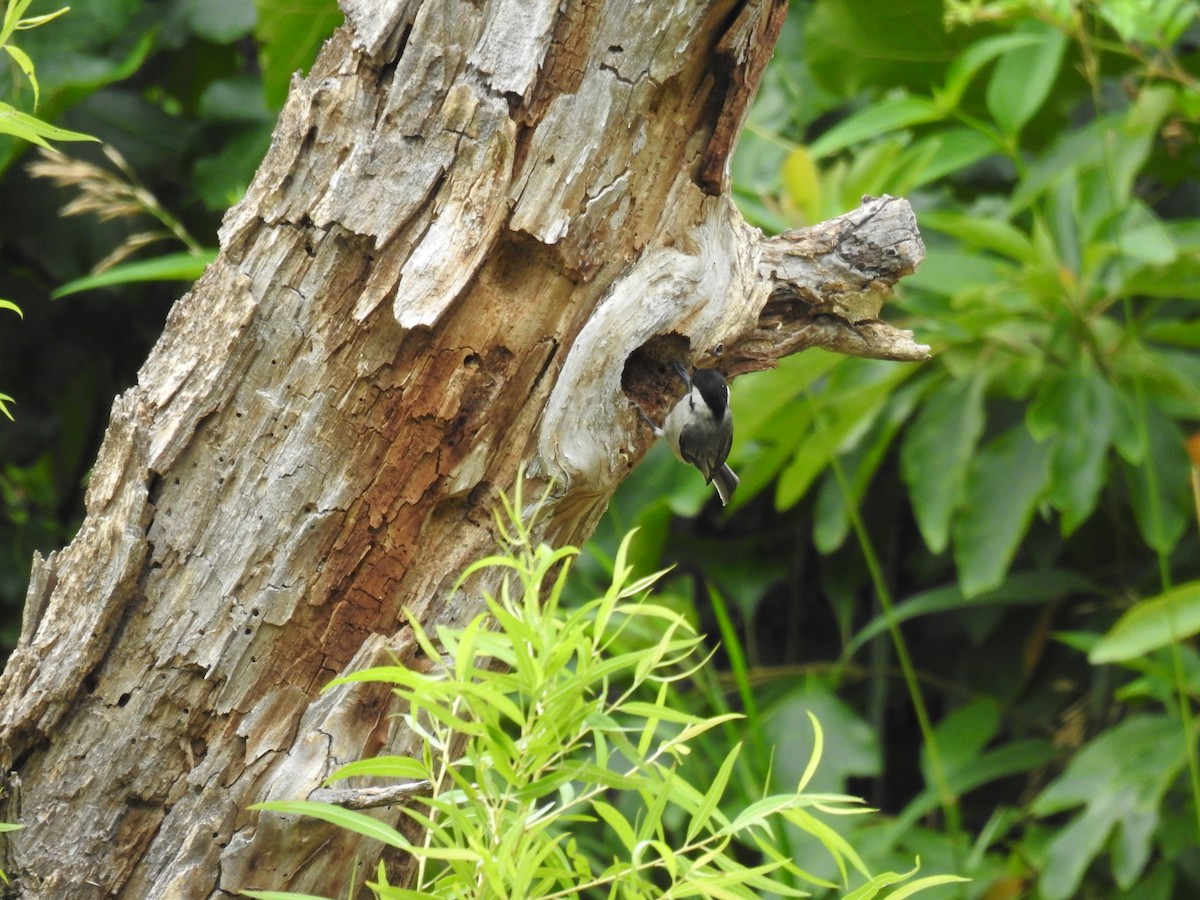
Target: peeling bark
470 212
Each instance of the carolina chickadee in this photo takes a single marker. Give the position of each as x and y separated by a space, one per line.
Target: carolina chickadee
700 428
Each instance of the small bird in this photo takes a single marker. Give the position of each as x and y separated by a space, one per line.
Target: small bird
700 428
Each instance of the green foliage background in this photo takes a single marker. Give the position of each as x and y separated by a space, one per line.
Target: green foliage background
980 573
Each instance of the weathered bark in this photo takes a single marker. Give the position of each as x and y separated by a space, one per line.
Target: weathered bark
470 213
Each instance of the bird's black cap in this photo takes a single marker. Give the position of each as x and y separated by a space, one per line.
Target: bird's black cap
711 385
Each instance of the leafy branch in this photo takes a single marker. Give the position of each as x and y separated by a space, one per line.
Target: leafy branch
538 745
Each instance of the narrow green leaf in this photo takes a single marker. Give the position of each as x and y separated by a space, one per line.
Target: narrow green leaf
872 888
359 823
925 883
704 725
12 17
1157 622
35 21
658 712
464 652
662 850
392 767
834 843
391 892
814 758
8 304
173 267
703 815
760 811
770 851
25 64
617 822
34 130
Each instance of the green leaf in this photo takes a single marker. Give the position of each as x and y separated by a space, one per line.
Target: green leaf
987 233
802 181
818 751
854 47
221 180
220 21
954 271
773 421
1077 410
1120 778
173 267
617 822
963 734
1157 622
1020 589
26 65
845 411
923 884
974 58
34 130
849 748
1078 150
9 305
391 767
359 823
1159 485
945 152
1022 79
4 401
1133 136
1144 237
766 400
832 512
703 815
13 10
289 33
35 21
838 846
874 121
936 455
1158 23
1006 482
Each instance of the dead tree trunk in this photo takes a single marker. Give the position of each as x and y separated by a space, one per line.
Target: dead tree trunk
471 212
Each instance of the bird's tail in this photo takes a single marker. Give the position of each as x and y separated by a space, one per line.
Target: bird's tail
726 483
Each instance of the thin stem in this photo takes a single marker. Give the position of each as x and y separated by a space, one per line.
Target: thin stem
937 769
1179 676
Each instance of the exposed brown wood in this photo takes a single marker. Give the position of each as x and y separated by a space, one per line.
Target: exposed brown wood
479 232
